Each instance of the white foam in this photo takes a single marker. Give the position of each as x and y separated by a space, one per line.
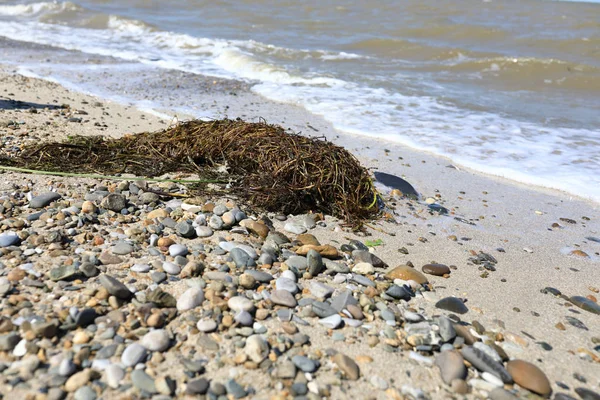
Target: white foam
494 144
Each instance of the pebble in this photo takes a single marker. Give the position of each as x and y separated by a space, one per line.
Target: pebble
114 202
157 340
177 250
305 364
283 298
436 269
122 248
114 287
204 231
294 228
347 365
114 375
143 381
363 268
239 303
485 363
331 322
235 389
191 298
207 326
529 376
9 239
451 365
171 268
133 354
197 386
584 303
452 304
286 284
256 348
314 262
502 394
44 199
85 393
320 290
406 273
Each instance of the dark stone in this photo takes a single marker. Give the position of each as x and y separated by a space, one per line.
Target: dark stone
452 304
398 292
585 304
436 269
395 182
85 317
44 199
185 230
197 386
485 363
322 309
114 287
587 394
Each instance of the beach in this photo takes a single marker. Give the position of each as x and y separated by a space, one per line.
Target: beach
537 238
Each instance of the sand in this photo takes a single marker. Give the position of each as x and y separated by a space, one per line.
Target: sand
502 214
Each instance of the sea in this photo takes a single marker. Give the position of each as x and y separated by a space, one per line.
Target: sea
505 87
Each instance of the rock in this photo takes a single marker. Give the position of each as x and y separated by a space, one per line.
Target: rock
197 386
171 268
447 331
122 249
347 366
501 394
342 300
143 381
286 284
77 380
9 239
133 354
283 298
63 273
149 197
529 376
114 287
185 230
586 394
436 269
405 189
247 281
114 202
451 365
156 340
323 310
257 349
44 199
204 231
258 228
583 303
315 262
294 228
89 270
327 251
207 326
191 298
114 374
108 259
363 268
85 393
398 292
241 258
320 290
305 364
485 363
331 322
406 273
239 303
177 250
235 389
260 276
453 304
162 299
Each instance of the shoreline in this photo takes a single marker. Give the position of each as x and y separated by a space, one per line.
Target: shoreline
505 215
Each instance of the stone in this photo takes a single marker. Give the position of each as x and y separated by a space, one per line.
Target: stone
239 303
327 250
191 298
398 292
465 333
283 298
133 354
204 231
315 262
63 273
586 394
244 318
114 287
156 340
501 394
363 268
305 364
347 365
342 300
197 386
44 199
149 197
584 303
114 374
287 285
235 389
451 365
258 228
185 230
529 376
122 249
485 363
260 276
256 348
114 202
177 250
85 393
294 228
453 304
241 258
108 259
207 326
143 381
157 213
89 270
77 380
406 273
9 239
320 290
323 309
435 269
171 268
331 322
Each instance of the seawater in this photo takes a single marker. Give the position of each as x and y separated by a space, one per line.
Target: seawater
510 88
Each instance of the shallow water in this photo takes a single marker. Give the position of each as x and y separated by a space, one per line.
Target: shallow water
505 87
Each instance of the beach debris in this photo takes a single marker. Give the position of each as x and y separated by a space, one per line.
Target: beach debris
398 183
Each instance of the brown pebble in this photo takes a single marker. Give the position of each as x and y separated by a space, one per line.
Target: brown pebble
579 253
459 386
529 376
436 269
